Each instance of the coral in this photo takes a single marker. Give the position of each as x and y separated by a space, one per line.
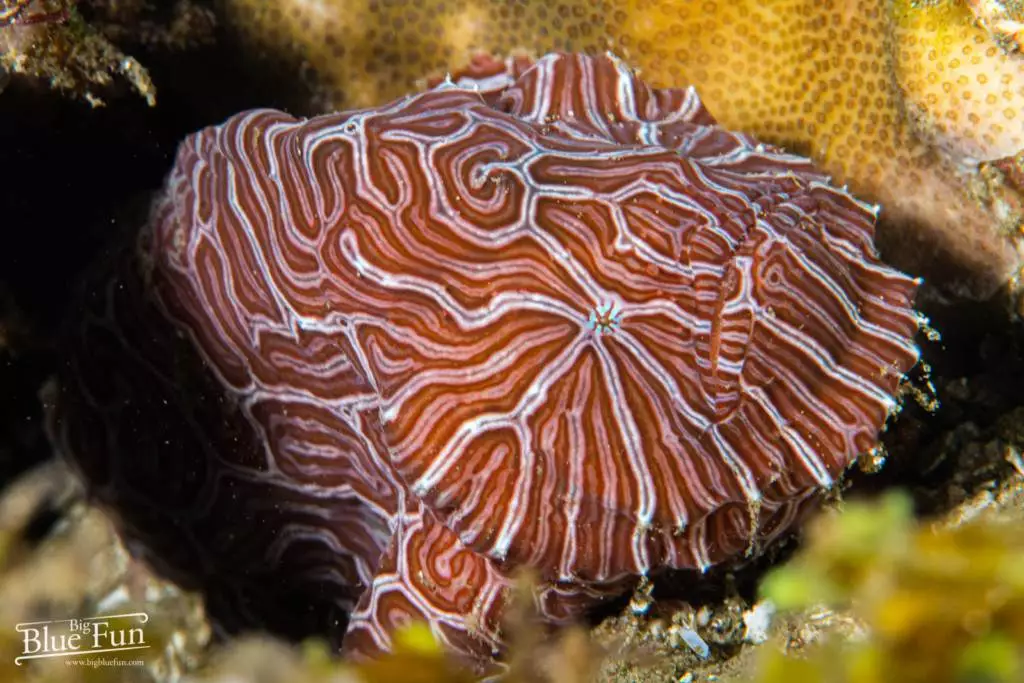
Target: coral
1003 19
71 55
544 317
825 77
52 41
959 89
877 91
27 12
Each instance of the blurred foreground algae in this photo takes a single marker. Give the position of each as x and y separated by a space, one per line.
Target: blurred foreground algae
907 600
60 559
936 602
417 658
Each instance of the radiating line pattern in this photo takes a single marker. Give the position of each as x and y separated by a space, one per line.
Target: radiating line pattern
540 315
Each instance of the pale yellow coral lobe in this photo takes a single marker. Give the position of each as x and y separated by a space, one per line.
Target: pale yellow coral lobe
872 89
964 90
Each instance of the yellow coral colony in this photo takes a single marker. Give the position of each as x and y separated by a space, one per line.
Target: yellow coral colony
898 98
958 86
